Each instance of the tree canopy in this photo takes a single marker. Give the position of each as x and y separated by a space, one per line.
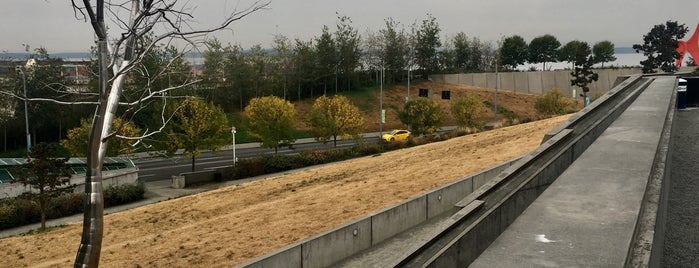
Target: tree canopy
544 49
513 51
333 117
603 51
46 174
427 45
582 72
271 121
569 51
467 111
423 115
660 46
76 141
197 125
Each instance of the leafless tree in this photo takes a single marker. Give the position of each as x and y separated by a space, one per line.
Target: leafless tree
167 21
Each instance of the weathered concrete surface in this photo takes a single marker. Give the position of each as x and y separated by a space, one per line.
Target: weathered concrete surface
587 217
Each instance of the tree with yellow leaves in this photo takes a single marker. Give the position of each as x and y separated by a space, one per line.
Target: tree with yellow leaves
197 125
76 142
336 116
271 121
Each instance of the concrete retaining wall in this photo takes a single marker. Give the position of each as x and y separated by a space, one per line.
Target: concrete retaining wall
339 243
109 178
535 82
190 178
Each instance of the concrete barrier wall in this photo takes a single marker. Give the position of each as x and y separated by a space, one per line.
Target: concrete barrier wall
109 178
189 178
334 245
340 243
535 82
394 220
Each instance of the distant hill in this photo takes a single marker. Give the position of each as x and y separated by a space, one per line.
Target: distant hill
624 50
63 55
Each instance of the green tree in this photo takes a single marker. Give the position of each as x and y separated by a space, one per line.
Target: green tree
394 50
513 51
603 52
305 68
76 141
467 111
47 175
582 72
282 63
327 57
544 49
271 121
213 76
423 115
162 68
238 75
258 58
569 51
44 76
332 117
197 125
466 54
660 47
427 45
347 41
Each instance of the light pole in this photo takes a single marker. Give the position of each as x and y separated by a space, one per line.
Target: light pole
26 111
383 114
235 159
497 78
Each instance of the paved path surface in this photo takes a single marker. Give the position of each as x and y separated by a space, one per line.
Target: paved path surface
586 218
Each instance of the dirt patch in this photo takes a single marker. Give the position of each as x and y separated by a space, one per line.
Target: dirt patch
520 104
227 226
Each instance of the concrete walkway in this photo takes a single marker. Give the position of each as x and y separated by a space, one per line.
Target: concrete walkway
586 218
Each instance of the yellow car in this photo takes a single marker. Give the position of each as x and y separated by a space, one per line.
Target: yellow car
396 135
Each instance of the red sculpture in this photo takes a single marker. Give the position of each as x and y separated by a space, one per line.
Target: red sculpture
691 46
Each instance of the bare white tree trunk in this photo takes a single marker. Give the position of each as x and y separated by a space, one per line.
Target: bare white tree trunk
144 15
91 242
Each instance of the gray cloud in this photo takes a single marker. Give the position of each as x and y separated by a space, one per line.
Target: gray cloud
51 23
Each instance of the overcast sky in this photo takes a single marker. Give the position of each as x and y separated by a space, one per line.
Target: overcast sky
51 24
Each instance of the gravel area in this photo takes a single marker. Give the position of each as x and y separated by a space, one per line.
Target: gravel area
682 234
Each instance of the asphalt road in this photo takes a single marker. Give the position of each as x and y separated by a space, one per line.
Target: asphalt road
162 168
681 247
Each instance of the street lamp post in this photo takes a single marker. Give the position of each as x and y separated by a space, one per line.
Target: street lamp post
26 111
235 159
383 114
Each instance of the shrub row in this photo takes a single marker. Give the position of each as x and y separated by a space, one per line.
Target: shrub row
23 210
